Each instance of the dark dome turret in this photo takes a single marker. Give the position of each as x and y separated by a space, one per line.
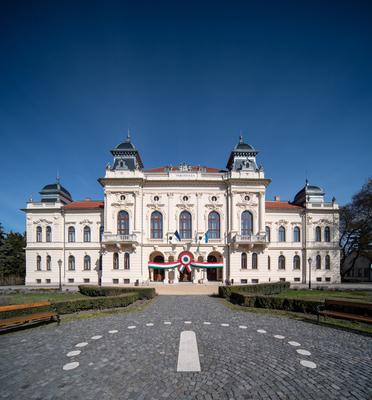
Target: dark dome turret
309 193
126 156
54 192
243 157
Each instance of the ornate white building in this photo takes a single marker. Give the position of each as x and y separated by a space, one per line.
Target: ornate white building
179 224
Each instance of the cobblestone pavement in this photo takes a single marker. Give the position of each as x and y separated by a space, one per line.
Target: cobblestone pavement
134 356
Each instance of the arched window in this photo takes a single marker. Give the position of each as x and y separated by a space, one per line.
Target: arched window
123 223
48 233
244 261
71 263
268 262
296 234
247 223
296 262
39 234
71 234
214 225
268 234
101 230
38 263
281 262
126 261
327 262
86 263
156 225
254 261
115 261
318 262
318 234
86 234
281 234
185 225
48 263
327 234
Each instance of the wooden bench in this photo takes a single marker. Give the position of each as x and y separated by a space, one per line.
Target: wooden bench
32 316
353 311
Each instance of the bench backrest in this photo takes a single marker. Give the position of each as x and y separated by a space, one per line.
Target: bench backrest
24 306
352 307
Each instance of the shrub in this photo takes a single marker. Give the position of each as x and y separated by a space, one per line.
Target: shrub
276 303
71 306
98 291
260 288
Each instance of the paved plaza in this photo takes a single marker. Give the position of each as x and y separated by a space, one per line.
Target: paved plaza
224 354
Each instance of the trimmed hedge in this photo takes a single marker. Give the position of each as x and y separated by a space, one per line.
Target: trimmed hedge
98 291
276 303
72 306
260 288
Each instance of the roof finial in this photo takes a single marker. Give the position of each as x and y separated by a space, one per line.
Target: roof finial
58 177
128 135
241 136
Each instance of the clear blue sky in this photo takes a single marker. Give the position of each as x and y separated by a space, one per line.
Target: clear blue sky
186 77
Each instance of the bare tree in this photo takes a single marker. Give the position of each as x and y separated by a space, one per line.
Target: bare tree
356 228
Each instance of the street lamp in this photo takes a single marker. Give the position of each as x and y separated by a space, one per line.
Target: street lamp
309 261
60 268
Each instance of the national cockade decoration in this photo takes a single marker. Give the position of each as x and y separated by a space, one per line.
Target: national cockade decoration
185 261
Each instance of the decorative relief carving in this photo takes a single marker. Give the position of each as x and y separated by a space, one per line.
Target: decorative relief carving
42 221
85 221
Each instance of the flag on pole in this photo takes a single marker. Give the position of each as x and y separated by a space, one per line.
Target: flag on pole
177 235
206 235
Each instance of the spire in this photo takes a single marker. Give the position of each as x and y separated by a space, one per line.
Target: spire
58 179
128 136
241 137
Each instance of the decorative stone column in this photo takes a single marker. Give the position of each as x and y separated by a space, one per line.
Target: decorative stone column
166 278
151 275
205 276
262 213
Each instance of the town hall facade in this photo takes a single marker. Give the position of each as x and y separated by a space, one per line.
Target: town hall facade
181 224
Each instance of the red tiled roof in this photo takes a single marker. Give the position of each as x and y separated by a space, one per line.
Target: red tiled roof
281 205
84 205
194 168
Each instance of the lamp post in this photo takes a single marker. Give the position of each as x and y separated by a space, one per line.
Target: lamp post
309 261
60 269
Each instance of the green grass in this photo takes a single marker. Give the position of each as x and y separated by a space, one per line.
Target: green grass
24 298
355 295
329 322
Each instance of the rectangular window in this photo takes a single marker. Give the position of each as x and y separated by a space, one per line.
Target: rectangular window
282 279
38 280
328 279
243 281
86 280
70 280
318 279
116 281
297 279
47 280
254 280
126 281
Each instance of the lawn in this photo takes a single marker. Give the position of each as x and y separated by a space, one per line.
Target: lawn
353 295
21 298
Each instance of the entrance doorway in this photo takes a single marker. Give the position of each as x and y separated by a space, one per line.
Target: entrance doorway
159 273
185 276
214 274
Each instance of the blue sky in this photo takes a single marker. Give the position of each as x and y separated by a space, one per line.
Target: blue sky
186 77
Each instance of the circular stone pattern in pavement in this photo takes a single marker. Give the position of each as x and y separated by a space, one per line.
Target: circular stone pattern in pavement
236 362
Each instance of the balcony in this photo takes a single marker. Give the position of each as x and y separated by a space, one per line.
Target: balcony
109 238
250 240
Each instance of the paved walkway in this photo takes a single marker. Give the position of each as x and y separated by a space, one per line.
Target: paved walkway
135 356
